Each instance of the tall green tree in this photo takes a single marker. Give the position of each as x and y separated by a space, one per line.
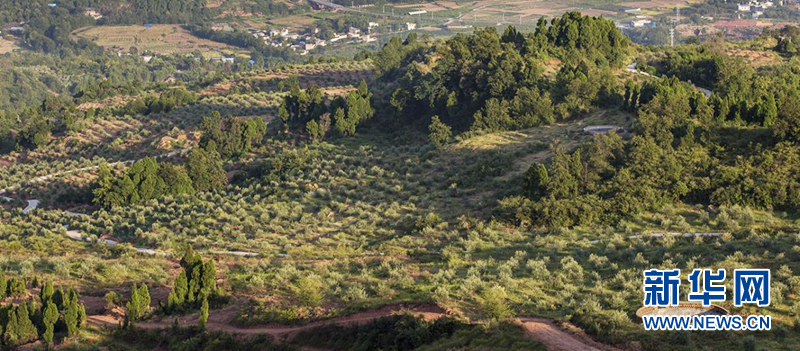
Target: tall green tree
439 133
50 316
205 168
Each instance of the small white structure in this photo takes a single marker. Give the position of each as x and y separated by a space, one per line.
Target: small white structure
420 12
91 12
642 23
147 58
411 26
338 37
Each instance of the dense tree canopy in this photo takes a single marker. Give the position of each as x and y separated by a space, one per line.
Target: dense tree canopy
491 81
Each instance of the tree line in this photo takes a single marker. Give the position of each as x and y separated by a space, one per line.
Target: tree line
54 311
194 287
163 102
494 81
309 110
148 179
679 153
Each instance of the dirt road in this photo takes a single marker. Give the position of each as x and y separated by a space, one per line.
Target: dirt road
554 338
542 330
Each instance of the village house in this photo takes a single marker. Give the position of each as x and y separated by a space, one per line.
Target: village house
642 23
754 8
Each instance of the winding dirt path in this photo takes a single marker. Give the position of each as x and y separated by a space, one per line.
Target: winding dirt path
542 330
554 338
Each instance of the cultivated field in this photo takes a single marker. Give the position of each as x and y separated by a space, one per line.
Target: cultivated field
7 46
526 11
160 39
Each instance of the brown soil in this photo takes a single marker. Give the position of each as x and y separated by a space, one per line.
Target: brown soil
539 329
555 338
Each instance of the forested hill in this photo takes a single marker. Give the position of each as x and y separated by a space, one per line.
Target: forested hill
134 11
737 147
492 81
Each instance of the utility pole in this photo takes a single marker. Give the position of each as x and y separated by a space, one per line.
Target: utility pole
674 25
672 37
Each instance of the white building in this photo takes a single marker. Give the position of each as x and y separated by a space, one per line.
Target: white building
93 13
338 37
411 26
642 23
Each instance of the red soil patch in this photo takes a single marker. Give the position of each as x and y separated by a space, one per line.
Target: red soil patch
539 329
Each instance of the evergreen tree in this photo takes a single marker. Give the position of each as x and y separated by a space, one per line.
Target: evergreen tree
178 295
176 179
205 169
204 313
133 305
536 179
25 329
71 313
47 292
343 125
208 279
195 283
144 299
82 317
50 317
3 286
144 175
770 112
59 298
440 133
312 128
